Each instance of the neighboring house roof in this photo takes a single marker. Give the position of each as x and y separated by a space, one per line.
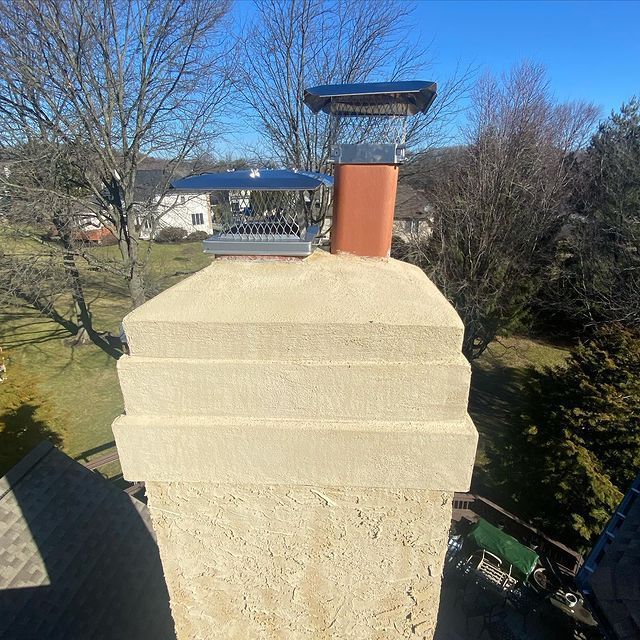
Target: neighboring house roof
78 560
154 175
612 570
151 182
411 204
148 183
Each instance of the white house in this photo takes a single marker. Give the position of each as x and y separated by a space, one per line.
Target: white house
188 211
191 212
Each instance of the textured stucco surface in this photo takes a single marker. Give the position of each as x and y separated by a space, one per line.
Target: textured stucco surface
285 389
291 563
358 308
415 455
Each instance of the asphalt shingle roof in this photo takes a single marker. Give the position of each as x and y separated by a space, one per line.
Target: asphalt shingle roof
616 581
78 560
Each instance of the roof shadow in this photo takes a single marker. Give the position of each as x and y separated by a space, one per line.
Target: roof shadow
78 560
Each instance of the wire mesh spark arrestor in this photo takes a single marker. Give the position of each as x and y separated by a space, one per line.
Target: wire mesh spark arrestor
260 212
368 135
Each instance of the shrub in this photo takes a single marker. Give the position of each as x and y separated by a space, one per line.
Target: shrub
197 236
170 234
584 435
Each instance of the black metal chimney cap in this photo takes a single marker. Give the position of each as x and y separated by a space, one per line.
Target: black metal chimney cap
381 98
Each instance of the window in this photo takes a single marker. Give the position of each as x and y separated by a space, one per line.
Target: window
197 218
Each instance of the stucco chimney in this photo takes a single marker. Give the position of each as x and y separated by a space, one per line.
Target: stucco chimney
301 427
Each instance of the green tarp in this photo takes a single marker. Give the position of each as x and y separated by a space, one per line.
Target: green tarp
508 549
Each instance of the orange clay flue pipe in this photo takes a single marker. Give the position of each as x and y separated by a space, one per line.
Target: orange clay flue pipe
364 201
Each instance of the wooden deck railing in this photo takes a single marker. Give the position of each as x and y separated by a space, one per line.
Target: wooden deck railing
96 463
472 506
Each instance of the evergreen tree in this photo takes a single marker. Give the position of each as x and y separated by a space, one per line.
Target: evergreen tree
600 260
584 434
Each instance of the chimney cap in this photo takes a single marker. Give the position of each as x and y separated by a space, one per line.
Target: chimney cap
254 179
406 98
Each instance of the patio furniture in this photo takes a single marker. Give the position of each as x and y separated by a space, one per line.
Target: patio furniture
490 569
477 605
521 560
454 547
544 581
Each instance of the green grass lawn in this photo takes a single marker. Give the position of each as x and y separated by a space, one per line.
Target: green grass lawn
68 394
496 403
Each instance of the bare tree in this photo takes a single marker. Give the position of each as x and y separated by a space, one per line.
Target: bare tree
298 44
41 186
33 276
126 79
499 207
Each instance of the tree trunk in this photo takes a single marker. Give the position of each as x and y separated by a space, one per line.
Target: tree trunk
84 323
136 286
83 316
84 330
128 246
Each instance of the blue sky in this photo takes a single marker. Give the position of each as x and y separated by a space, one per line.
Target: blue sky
591 49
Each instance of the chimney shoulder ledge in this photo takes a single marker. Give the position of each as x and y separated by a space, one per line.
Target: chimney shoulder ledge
411 455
